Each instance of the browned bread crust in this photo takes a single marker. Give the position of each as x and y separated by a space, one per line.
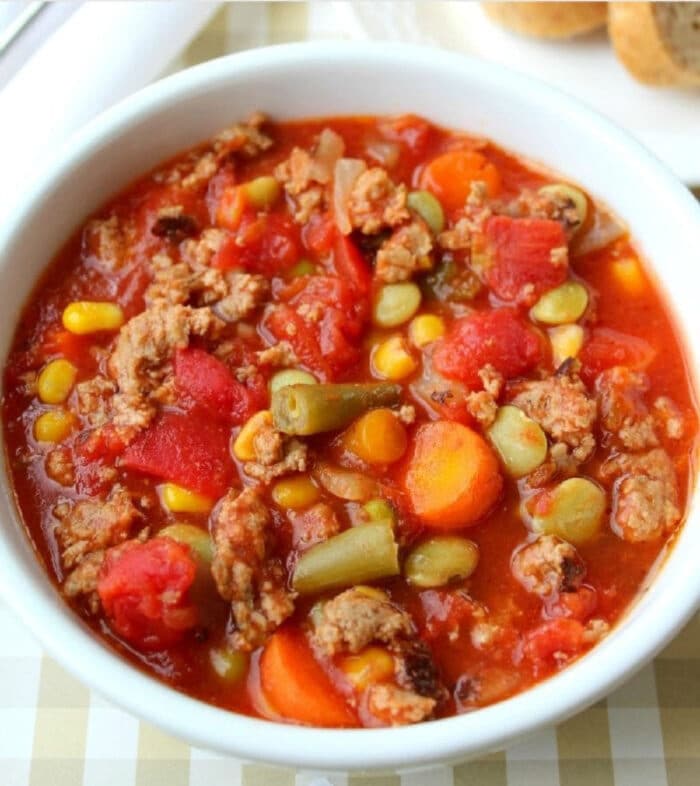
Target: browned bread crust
548 20
659 43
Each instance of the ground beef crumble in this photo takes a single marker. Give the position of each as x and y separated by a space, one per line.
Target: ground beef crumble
669 417
359 616
59 466
233 295
305 175
405 252
395 706
356 618
280 355
645 495
547 566
104 239
93 399
276 454
95 525
623 411
244 572
141 362
375 203
563 408
314 525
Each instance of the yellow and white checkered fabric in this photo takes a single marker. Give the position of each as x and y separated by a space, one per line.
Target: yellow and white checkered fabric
55 732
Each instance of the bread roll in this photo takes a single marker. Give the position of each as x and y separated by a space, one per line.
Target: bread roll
548 20
659 43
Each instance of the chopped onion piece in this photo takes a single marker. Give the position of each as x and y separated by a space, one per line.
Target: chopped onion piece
604 230
345 483
329 149
384 153
347 170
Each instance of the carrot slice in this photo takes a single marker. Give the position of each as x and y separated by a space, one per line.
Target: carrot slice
450 176
453 477
231 207
297 687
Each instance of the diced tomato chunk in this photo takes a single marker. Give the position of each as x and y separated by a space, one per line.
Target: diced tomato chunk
331 292
410 130
350 266
516 257
577 605
445 612
319 233
228 255
104 442
265 244
499 337
558 635
210 385
326 343
231 207
286 325
190 449
67 345
606 348
144 590
93 452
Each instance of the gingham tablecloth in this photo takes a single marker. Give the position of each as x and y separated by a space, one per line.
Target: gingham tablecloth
56 732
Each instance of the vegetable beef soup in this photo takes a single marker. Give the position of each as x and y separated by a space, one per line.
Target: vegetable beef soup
349 422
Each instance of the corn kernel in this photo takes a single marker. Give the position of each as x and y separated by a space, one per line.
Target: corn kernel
55 381
425 329
263 191
228 664
566 341
368 667
85 316
243 447
629 276
53 426
181 500
379 510
295 493
393 360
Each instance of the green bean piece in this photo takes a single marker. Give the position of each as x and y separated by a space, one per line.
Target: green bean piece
439 560
358 555
312 409
345 483
428 208
196 538
228 664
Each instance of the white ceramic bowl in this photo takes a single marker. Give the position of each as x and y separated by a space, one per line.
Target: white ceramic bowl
304 80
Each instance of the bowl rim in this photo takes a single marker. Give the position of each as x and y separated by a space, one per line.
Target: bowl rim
453 738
